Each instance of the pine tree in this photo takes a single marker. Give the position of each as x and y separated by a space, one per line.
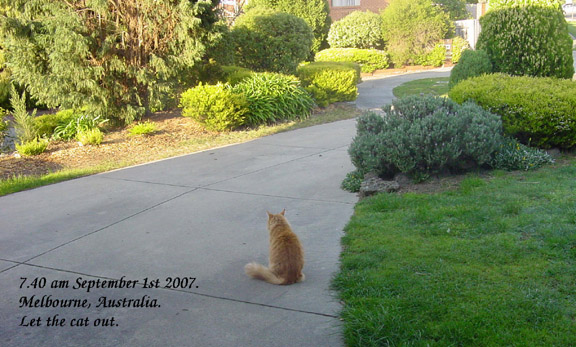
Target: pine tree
118 58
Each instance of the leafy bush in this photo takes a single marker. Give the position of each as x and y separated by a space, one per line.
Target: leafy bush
32 147
217 107
330 82
435 57
121 58
3 126
357 30
235 74
420 136
47 123
24 125
459 45
313 12
411 29
271 41
353 181
512 155
472 64
535 110
368 59
527 40
274 97
145 128
92 136
79 122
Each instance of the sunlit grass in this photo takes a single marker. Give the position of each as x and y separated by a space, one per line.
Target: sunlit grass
426 86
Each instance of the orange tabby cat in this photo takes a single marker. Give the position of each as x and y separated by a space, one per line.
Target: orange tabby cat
286 254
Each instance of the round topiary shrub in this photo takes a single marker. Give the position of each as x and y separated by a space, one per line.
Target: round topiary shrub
472 63
420 136
536 110
357 30
527 38
330 82
271 41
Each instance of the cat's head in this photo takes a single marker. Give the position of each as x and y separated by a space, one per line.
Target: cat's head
275 218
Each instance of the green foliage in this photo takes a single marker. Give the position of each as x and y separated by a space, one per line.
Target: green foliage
535 110
357 30
499 4
78 123
92 136
455 9
144 128
513 155
368 59
459 45
235 74
271 41
47 123
330 82
435 57
217 107
420 136
412 28
527 40
353 181
472 63
32 147
273 98
24 125
119 59
313 12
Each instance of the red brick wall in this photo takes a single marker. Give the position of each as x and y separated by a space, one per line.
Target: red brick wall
375 6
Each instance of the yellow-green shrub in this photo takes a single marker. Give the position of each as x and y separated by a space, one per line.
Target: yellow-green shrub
330 82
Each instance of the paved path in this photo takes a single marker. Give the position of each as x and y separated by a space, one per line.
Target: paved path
199 216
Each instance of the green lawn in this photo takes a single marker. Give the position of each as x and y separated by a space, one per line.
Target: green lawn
572 28
426 86
490 264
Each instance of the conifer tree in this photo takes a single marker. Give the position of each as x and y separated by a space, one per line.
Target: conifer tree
118 58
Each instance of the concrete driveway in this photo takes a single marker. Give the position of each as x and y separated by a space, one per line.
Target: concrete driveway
71 253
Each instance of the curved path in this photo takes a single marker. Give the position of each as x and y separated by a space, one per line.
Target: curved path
200 216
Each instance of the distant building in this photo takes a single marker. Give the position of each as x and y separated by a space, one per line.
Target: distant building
341 8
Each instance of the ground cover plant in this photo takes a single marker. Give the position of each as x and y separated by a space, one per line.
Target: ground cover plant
489 264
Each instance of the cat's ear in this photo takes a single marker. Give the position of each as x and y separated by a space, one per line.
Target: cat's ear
269 214
283 211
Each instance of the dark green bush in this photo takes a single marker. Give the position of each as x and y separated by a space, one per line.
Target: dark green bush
420 136
538 111
471 64
235 74
527 40
330 82
357 30
217 107
368 59
271 41
274 97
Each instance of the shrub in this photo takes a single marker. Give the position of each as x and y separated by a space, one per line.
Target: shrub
32 147
527 40
271 41
420 136
274 97
79 122
313 12
121 58
235 74
145 128
216 107
535 110
472 64
90 137
512 155
47 123
330 82
3 126
459 45
435 57
368 59
352 182
357 30
411 29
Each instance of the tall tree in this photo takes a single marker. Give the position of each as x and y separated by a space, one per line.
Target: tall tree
118 58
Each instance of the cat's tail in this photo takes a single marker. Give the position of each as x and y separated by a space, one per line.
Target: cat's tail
261 272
